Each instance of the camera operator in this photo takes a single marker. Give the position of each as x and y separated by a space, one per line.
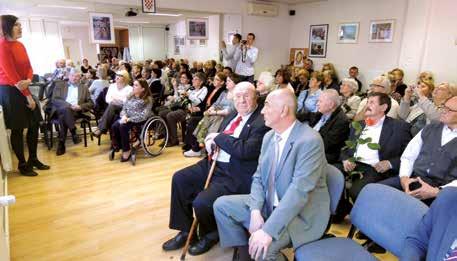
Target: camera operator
246 56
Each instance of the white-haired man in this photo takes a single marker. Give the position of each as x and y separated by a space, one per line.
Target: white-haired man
239 140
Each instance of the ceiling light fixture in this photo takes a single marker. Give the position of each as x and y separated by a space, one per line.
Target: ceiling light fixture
134 22
63 6
164 14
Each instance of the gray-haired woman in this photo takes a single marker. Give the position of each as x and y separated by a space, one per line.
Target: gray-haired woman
350 100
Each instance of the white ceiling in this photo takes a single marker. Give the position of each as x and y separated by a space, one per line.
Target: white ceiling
118 8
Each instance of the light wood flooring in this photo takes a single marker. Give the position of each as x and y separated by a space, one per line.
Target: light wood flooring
89 208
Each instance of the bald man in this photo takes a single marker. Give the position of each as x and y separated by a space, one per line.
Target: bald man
289 201
239 139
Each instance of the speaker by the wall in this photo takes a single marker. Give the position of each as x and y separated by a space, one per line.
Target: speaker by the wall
291 12
167 28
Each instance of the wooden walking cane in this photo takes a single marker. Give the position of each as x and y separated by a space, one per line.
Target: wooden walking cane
195 222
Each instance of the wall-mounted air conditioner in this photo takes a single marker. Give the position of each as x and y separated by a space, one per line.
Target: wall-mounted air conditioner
263 9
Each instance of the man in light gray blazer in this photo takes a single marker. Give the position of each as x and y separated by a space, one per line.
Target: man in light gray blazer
289 202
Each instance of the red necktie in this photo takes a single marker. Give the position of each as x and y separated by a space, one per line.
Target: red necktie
233 126
370 122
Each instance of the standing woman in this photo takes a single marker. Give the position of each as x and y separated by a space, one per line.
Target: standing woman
15 97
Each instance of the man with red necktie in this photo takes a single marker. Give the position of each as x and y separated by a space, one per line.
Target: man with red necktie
239 139
391 135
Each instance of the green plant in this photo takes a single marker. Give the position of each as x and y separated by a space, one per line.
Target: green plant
352 144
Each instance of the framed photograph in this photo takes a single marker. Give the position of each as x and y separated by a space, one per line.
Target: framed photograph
192 43
101 28
381 31
177 50
202 42
348 32
149 6
298 56
182 40
318 35
197 28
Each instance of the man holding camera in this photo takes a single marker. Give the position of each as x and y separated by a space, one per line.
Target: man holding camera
429 162
246 56
229 53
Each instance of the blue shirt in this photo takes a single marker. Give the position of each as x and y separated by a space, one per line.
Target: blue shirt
310 103
72 94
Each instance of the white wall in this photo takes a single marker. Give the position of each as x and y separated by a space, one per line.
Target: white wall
81 35
196 52
371 58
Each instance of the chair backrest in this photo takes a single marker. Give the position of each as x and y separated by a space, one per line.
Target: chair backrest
335 184
387 215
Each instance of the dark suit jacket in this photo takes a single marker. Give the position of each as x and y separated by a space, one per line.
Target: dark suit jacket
334 133
244 151
436 232
395 136
60 92
156 88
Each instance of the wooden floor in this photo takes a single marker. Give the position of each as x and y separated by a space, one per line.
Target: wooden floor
89 208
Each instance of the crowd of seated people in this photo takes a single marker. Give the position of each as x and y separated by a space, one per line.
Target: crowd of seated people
398 135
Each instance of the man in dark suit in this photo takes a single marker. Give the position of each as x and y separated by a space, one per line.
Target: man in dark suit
435 237
239 140
332 124
69 102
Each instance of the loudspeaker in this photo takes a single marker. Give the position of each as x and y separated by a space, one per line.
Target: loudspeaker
291 12
167 28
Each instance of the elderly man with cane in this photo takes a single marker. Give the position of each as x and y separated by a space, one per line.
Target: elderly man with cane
239 139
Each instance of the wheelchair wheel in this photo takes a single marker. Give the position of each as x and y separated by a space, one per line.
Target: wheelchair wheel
154 136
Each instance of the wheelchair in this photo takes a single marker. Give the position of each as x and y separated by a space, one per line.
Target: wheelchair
151 136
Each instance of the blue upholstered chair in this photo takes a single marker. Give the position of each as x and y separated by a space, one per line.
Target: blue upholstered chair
384 214
335 184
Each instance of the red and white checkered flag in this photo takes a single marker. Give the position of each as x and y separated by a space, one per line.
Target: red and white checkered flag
149 6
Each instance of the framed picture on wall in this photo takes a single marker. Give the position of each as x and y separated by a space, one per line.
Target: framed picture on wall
149 6
197 28
101 28
202 42
318 35
298 56
348 32
381 31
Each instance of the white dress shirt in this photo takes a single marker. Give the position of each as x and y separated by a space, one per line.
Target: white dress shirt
284 136
72 94
229 55
246 68
413 149
369 156
224 156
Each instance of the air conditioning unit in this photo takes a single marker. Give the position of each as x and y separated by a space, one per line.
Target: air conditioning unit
263 9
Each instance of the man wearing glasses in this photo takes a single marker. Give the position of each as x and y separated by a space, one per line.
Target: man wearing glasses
429 162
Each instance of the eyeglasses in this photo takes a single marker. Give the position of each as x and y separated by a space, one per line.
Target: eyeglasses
445 109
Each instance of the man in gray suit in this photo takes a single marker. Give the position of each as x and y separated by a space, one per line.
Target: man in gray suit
289 202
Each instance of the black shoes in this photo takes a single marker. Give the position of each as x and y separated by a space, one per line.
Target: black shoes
241 254
27 170
60 149
177 242
75 138
172 144
202 246
37 164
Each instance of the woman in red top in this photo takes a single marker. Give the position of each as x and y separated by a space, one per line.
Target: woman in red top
15 97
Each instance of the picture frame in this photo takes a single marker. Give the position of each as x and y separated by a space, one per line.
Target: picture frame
318 36
197 28
298 56
382 31
149 6
101 28
348 33
202 42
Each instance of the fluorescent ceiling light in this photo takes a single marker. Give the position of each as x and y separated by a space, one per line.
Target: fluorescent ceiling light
163 14
134 22
63 6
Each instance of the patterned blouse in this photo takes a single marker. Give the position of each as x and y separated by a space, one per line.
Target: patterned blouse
136 109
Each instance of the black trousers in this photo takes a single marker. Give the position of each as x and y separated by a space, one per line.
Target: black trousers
187 193
121 134
17 142
109 116
67 118
249 78
190 140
